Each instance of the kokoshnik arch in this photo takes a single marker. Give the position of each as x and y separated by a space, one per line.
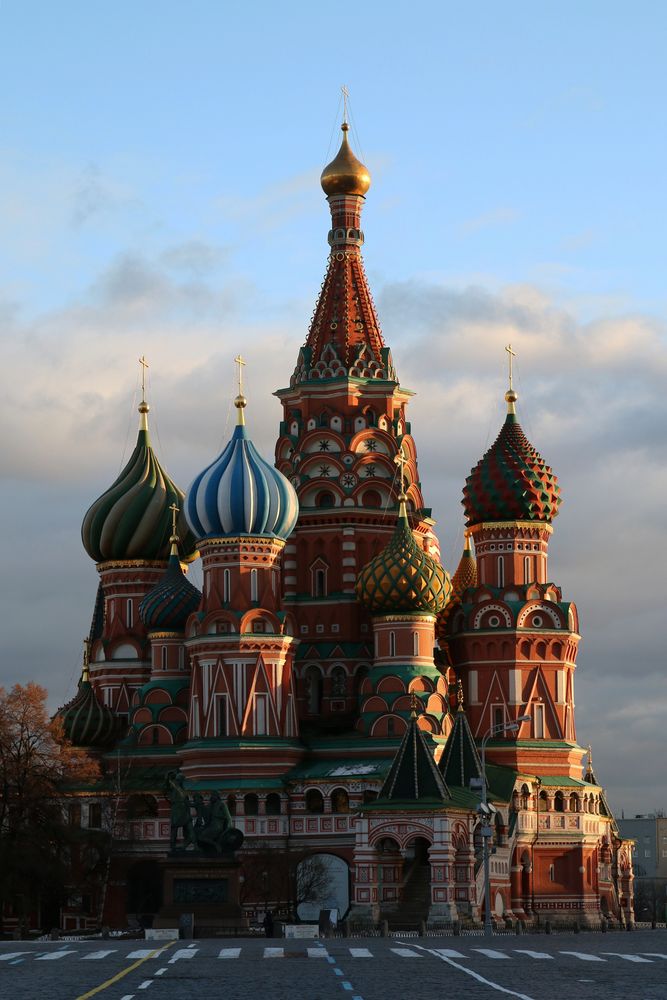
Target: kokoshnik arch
331 681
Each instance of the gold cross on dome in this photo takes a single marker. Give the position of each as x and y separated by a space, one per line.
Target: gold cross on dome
174 514
144 365
346 93
401 461
511 354
240 362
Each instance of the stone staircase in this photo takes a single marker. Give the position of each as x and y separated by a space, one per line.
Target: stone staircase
415 899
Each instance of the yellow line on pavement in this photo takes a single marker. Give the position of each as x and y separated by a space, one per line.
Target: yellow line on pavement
130 968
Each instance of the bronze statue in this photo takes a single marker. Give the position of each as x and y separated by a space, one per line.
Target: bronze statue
181 815
212 830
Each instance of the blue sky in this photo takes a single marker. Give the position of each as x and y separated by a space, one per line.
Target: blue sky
159 194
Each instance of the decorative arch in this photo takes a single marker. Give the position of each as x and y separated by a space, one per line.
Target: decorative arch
538 609
484 616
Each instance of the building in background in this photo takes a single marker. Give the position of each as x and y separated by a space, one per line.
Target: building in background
331 681
649 856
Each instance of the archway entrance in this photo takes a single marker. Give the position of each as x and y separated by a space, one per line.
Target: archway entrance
415 899
144 891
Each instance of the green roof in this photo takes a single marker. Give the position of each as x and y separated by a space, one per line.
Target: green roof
563 779
460 760
414 774
370 767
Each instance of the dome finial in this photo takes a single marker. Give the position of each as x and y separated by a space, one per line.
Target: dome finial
345 174
143 405
174 537
85 672
401 460
240 402
510 396
459 695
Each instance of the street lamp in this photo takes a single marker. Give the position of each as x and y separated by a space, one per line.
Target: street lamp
487 811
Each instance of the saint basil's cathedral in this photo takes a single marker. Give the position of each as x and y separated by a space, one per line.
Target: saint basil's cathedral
331 681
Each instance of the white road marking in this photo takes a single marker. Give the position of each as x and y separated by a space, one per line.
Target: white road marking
491 953
628 958
360 953
128 996
146 983
449 953
317 953
99 954
12 954
475 975
160 972
192 946
654 954
230 953
274 953
181 953
584 956
141 953
533 954
406 953
55 954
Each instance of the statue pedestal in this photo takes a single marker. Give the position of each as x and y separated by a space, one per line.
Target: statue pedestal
205 886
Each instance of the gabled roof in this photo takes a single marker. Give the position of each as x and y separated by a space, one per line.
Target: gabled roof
460 760
413 775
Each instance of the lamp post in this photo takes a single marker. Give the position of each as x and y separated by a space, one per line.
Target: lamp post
486 811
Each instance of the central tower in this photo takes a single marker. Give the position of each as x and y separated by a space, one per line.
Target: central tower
344 423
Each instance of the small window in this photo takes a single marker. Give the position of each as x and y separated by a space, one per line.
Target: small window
552 873
194 723
181 658
538 721
251 805
498 716
129 613
501 571
254 588
340 801
261 715
392 644
226 586
95 815
273 804
527 574
221 714
415 643
320 583
314 801
164 657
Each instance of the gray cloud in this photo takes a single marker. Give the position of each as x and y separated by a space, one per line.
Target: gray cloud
591 399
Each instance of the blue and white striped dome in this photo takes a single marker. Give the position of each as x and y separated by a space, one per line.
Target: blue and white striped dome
241 494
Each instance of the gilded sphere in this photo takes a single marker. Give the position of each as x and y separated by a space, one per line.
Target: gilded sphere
345 174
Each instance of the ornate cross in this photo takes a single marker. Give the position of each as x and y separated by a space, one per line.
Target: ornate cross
174 513
511 354
346 93
144 366
401 461
240 362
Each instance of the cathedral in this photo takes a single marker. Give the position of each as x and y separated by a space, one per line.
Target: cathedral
347 698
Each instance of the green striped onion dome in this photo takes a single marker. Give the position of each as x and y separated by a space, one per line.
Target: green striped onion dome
403 578
132 519
87 723
512 482
168 605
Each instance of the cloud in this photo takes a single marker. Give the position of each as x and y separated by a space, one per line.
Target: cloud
503 215
591 399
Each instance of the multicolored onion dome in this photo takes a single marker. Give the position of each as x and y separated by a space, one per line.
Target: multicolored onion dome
240 493
87 723
403 578
345 174
464 577
168 605
512 482
132 519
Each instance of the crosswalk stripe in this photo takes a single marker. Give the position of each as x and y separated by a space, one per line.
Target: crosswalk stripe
274 953
360 953
141 953
533 954
182 953
449 953
628 958
12 954
230 953
317 953
98 954
52 955
584 956
654 954
406 953
491 953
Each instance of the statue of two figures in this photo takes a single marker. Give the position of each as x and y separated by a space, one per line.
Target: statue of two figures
211 830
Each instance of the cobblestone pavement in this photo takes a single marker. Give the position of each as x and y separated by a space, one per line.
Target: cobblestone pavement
533 967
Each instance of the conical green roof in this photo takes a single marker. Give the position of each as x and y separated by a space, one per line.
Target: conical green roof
413 774
403 578
87 723
460 760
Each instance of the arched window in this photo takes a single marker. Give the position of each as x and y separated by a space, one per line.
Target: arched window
129 613
501 571
559 803
338 682
318 579
313 679
392 644
226 586
273 804
314 801
163 652
251 805
574 803
325 499
231 804
527 569
372 499
254 589
340 801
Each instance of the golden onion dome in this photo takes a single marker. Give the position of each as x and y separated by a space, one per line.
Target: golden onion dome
345 174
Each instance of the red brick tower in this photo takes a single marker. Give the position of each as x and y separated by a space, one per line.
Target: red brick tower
344 423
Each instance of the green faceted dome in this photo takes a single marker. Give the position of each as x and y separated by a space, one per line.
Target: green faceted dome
403 578
86 723
132 519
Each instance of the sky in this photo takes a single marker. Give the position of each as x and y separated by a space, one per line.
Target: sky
159 195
